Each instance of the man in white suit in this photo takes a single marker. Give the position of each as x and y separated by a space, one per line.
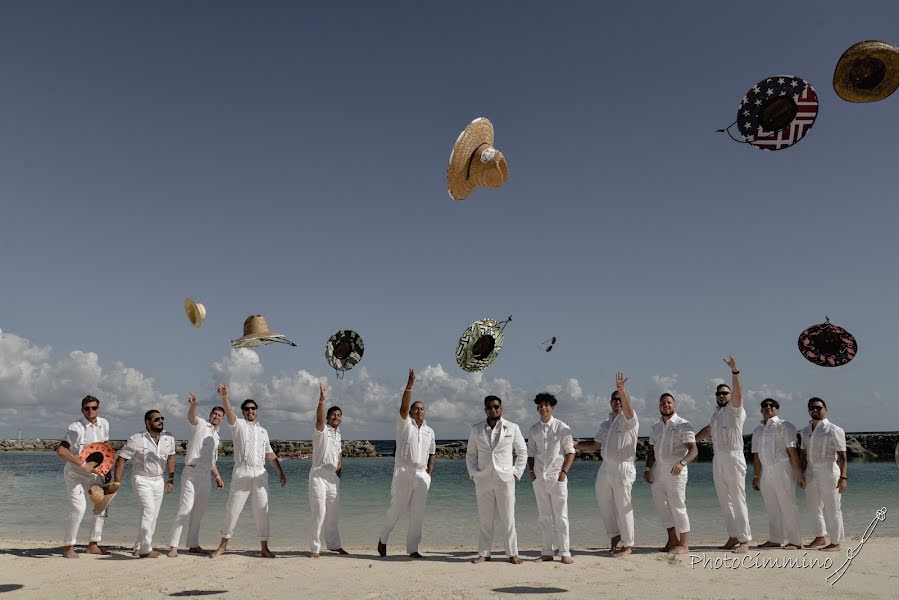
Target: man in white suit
489 461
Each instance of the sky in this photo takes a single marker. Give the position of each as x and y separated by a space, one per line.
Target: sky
289 159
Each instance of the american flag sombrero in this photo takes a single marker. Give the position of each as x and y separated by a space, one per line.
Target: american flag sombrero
777 112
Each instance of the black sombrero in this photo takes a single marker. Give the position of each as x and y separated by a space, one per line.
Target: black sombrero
344 350
480 344
827 345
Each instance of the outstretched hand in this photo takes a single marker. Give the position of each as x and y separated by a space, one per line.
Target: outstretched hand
192 399
620 380
321 394
222 391
731 362
411 380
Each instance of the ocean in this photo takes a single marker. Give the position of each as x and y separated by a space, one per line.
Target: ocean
33 506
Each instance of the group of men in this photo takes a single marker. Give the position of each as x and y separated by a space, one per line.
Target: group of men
496 458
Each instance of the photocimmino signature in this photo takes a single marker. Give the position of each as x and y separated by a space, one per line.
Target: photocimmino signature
879 516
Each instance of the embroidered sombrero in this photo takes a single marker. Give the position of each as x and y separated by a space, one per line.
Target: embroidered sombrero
196 312
480 344
99 454
827 345
257 333
102 496
474 161
867 72
344 350
777 112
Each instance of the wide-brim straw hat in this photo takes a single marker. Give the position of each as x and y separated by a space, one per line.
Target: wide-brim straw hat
99 454
196 312
479 345
474 161
101 497
827 345
257 333
344 349
867 72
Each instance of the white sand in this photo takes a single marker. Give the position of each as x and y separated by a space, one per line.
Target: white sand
41 572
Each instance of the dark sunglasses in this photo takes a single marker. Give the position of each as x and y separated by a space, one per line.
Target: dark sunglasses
248 408
90 407
815 408
722 393
768 405
616 399
158 419
494 407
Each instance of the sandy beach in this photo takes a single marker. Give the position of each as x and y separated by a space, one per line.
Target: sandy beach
32 569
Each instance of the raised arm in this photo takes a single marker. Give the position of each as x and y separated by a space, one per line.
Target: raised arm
704 433
407 396
320 411
626 407
736 396
192 411
226 404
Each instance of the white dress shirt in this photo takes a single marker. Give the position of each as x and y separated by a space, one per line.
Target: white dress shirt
251 444
548 443
770 441
326 448
822 443
81 433
618 436
414 444
202 449
727 428
149 456
669 439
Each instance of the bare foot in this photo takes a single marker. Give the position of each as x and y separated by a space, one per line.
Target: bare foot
382 548
198 550
173 552
480 559
218 552
741 548
514 560
566 560
545 558
792 547
818 541
69 552
729 544
831 548
150 554
266 553
768 544
340 551
94 548
625 551
679 550
415 555
315 555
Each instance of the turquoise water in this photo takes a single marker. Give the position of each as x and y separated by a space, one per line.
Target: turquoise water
33 506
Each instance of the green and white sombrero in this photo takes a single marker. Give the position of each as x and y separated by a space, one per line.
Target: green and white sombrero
480 344
344 350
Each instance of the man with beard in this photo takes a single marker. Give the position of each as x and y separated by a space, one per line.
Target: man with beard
324 477
672 448
824 463
728 463
154 454
199 462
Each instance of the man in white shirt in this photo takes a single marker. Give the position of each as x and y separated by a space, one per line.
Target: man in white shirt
728 463
776 471
823 461
413 465
324 477
249 478
672 448
617 439
488 459
199 462
550 454
153 452
79 476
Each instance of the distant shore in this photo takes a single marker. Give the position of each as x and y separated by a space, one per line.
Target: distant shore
859 446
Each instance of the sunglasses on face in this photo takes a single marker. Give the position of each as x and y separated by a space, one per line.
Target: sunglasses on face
249 408
90 407
815 408
616 399
722 393
158 419
494 407
768 406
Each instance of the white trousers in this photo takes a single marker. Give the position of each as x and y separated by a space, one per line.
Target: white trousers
613 495
552 514
324 500
669 493
409 489
195 485
149 492
77 485
729 474
252 483
824 500
493 494
779 493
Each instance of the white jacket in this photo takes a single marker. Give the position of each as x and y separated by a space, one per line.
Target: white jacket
482 458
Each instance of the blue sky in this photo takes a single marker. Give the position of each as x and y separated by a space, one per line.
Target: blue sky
290 160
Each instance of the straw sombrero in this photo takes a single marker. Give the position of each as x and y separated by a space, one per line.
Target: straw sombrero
196 312
474 161
257 333
777 112
479 345
867 72
344 350
827 345
102 496
99 454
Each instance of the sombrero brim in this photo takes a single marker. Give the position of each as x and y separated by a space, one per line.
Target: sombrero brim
477 133
196 313
465 349
103 448
357 349
260 339
100 506
843 84
750 110
845 352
